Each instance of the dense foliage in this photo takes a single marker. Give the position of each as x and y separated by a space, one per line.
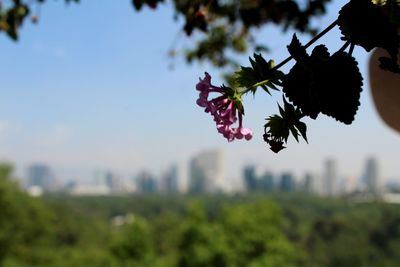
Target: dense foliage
174 230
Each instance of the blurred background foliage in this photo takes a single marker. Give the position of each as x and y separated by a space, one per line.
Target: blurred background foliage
176 230
225 26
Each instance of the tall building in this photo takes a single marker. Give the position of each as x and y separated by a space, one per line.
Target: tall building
266 182
40 175
146 183
308 184
329 180
110 180
250 178
371 177
287 182
206 172
170 180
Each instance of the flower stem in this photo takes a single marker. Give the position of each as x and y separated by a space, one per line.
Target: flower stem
351 49
344 46
267 81
312 41
263 83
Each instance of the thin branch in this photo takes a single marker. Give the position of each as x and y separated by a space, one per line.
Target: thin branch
311 42
344 46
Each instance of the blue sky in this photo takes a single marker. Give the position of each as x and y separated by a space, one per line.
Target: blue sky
90 88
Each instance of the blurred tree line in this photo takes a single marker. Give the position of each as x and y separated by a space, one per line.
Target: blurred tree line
184 231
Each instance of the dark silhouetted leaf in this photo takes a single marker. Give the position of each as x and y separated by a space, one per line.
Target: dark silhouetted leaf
338 84
324 83
365 24
296 50
278 127
260 71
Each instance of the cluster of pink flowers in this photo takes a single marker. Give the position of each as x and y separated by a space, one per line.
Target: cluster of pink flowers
223 109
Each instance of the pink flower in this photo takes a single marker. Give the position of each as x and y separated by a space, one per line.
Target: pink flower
223 108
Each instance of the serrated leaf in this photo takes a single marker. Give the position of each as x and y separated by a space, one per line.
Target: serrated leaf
327 84
297 86
278 127
294 133
365 24
281 111
302 127
338 85
296 50
320 53
259 74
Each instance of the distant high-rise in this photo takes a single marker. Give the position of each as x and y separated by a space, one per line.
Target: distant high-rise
40 175
266 182
113 182
109 179
250 178
371 176
329 185
287 183
258 183
146 183
206 172
309 184
170 180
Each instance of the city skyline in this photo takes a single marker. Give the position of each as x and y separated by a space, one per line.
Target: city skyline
205 173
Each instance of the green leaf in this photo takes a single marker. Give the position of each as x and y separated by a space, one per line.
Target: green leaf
260 74
278 127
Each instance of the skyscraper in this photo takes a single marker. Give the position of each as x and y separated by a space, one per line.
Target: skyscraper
206 172
170 180
287 182
371 177
40 175
329 181
309 184
146 183
266 183
250 178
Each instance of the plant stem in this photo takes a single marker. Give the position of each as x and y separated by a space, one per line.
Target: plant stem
312 41
351 49
344 46
267 81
